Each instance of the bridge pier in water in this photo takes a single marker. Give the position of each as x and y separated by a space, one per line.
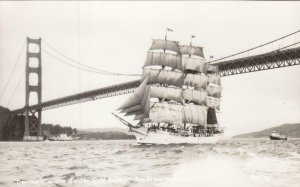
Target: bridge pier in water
33 117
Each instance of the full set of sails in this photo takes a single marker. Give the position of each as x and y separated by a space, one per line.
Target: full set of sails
178 87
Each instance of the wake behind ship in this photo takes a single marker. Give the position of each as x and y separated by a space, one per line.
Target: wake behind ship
177 99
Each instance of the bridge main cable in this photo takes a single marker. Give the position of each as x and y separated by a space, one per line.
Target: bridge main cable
90 68
14 68
256 47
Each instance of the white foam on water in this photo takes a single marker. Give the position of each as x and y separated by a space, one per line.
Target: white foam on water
272 171
225 171
212 171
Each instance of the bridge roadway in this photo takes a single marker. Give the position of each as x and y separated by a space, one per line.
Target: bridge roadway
271 60
109 91
276 59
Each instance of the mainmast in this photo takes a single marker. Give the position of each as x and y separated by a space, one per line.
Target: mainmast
192 36
195 84
168 30
166 37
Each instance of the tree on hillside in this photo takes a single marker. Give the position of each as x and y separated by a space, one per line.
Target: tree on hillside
55 129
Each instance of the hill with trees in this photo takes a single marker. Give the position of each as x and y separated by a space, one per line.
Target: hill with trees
104 134
289 130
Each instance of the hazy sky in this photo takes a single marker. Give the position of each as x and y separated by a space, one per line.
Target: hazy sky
115 36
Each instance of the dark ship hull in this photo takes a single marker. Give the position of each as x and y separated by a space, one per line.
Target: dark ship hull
278 138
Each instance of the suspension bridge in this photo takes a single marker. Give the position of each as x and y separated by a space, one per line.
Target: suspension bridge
238 63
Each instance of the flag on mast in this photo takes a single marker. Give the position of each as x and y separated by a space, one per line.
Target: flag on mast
170 30
193 36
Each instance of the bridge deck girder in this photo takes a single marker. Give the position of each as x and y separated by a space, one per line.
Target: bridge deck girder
100 93
278 59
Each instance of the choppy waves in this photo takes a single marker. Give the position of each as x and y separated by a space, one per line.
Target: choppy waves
231 163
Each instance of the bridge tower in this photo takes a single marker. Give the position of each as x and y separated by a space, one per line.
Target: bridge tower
33 118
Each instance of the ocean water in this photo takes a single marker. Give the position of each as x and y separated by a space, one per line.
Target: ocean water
230 163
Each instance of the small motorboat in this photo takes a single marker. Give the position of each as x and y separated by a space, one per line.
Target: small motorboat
61 137
276 136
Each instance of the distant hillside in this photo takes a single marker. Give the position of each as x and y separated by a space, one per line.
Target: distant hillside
103 130
3 120
289 130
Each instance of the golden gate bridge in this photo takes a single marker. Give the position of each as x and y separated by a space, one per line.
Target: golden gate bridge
286 56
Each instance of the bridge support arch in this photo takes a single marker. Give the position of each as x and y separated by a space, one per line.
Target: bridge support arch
33 118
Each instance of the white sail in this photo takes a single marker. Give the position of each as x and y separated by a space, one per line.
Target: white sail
191 50
214 103
165 45
136 97
166 113
139 117
195 64
163 76
146 120
170 93
198 81
134 113
214 79
195 114
212 68
163 59
140 107
146 96
133 109
214 90
198 96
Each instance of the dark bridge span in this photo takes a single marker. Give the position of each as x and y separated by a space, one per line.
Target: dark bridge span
109 91
275 59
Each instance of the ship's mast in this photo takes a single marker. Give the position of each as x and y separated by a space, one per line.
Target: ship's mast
192 36
163 67
167 30
187 87
190 51
166 37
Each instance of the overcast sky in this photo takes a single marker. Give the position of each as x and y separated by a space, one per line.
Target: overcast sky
115 36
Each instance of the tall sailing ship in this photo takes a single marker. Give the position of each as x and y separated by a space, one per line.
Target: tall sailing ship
177 99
